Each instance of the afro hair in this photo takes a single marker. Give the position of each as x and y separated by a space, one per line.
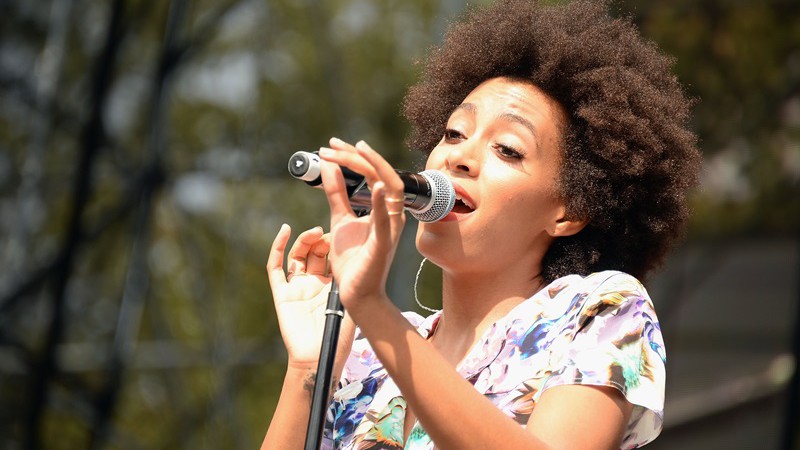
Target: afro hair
629 157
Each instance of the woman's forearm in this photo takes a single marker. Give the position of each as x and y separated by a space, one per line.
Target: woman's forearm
287 430
451 411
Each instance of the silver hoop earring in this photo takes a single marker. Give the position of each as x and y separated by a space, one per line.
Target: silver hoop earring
416 281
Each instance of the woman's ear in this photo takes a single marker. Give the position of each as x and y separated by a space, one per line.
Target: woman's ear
564 226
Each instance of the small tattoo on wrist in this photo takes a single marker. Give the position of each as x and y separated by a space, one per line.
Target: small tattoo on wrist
311 380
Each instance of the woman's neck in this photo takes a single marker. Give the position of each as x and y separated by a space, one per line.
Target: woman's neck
471 303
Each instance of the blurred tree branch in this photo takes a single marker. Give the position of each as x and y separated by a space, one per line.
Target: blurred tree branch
46 366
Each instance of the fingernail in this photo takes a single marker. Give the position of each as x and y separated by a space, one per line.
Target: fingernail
361 145
335 140
325 152
378 187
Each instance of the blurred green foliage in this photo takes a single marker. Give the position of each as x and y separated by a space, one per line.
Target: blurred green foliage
741 61
256 81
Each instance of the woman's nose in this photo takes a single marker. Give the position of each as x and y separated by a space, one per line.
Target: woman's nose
463 158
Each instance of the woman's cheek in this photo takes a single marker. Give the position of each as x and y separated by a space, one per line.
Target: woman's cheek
436 158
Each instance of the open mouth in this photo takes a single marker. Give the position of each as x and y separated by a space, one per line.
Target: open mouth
463 206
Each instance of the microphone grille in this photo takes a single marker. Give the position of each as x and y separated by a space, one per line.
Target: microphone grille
443 197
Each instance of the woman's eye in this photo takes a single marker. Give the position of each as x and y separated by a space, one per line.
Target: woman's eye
508 152
451 134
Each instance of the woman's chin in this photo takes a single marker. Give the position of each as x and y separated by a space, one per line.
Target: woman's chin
440 250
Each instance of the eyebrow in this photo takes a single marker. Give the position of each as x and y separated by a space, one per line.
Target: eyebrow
507 117
468 107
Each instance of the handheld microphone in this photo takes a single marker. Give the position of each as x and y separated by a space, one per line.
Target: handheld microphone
429 195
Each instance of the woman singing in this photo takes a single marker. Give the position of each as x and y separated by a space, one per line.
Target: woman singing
565 136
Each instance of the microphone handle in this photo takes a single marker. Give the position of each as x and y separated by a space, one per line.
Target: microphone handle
417 192
305 166
429 196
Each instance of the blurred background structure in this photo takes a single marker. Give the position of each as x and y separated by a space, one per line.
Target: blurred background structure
143 150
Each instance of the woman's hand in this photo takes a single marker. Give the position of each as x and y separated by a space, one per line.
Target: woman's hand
362 248
301 295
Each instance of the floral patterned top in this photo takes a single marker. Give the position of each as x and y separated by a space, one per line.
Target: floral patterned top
598 330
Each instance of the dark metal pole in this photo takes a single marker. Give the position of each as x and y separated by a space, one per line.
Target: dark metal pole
327 354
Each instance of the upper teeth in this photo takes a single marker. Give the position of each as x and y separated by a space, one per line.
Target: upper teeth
465 201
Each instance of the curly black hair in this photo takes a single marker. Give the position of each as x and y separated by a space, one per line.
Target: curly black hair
629 157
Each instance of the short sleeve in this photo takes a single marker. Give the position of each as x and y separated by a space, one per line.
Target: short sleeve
616 341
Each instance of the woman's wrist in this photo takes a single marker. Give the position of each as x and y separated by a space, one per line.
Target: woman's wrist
368 308
300 377
299 372
303 379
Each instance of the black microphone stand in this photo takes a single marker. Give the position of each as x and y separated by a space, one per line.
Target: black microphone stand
334 313
327 354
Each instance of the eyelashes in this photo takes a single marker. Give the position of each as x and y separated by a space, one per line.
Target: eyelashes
451 134
507 152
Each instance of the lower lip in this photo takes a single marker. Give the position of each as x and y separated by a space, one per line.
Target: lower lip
450 217
453 217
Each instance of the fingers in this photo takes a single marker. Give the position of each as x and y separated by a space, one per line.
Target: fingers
362 159
275 259
382 169
335 191
347 155
393 194
387 214
317 262
380 213
299 253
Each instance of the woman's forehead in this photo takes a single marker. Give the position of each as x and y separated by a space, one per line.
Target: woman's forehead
504 98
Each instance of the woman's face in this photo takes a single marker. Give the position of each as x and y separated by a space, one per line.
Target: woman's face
502 149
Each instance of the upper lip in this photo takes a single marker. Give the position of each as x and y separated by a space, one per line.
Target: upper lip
463 195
